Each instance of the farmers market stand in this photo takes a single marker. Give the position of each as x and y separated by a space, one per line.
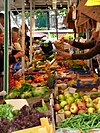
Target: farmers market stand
64 80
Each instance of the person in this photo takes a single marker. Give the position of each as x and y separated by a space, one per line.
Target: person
16 47
12 58
93 46
27 41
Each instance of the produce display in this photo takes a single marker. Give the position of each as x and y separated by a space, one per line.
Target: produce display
76 103
82 123
27 91
24 118
48 74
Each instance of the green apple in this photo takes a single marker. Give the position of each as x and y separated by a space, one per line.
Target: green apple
91 110
85 97
88 99
61 97
68 95
97 106
89 104
61 111
78 100
76 95
70 100
98 110
63 103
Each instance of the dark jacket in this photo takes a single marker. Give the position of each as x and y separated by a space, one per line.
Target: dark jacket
94 47
11 59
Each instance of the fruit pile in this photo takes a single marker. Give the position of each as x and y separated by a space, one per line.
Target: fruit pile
75 104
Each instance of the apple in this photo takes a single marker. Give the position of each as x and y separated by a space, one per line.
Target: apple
82 105
67 107
76 95
98 110
89 104
97 106
88 99
81 111
63 103
57 107
91 110
67 95
78 100
61 97
74 108
61 111
70 100
67 114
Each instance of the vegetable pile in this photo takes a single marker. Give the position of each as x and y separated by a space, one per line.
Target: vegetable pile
6 111
27 91
82 122
26 118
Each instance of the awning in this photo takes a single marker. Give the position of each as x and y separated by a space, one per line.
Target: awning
82 19
92 11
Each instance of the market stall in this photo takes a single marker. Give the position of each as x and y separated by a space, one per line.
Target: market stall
52 94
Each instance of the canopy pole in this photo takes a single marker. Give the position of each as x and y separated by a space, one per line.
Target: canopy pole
31 50
56 23
23 36
6 64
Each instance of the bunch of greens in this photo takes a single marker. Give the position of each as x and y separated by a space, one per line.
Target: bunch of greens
27 91
6 111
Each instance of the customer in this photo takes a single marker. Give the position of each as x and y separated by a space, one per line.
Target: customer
12 58
16 47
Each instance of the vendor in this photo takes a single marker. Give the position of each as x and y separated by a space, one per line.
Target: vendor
94 47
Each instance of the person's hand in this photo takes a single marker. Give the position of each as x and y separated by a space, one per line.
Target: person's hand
59 45
65 55
70 42
18 55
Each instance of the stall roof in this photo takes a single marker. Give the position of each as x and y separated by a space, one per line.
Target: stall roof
36 4
89 11
82 19
92 12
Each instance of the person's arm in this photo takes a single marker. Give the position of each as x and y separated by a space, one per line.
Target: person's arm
12 58
92 52
87 45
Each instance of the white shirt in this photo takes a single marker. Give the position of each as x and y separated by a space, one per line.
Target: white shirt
16 46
